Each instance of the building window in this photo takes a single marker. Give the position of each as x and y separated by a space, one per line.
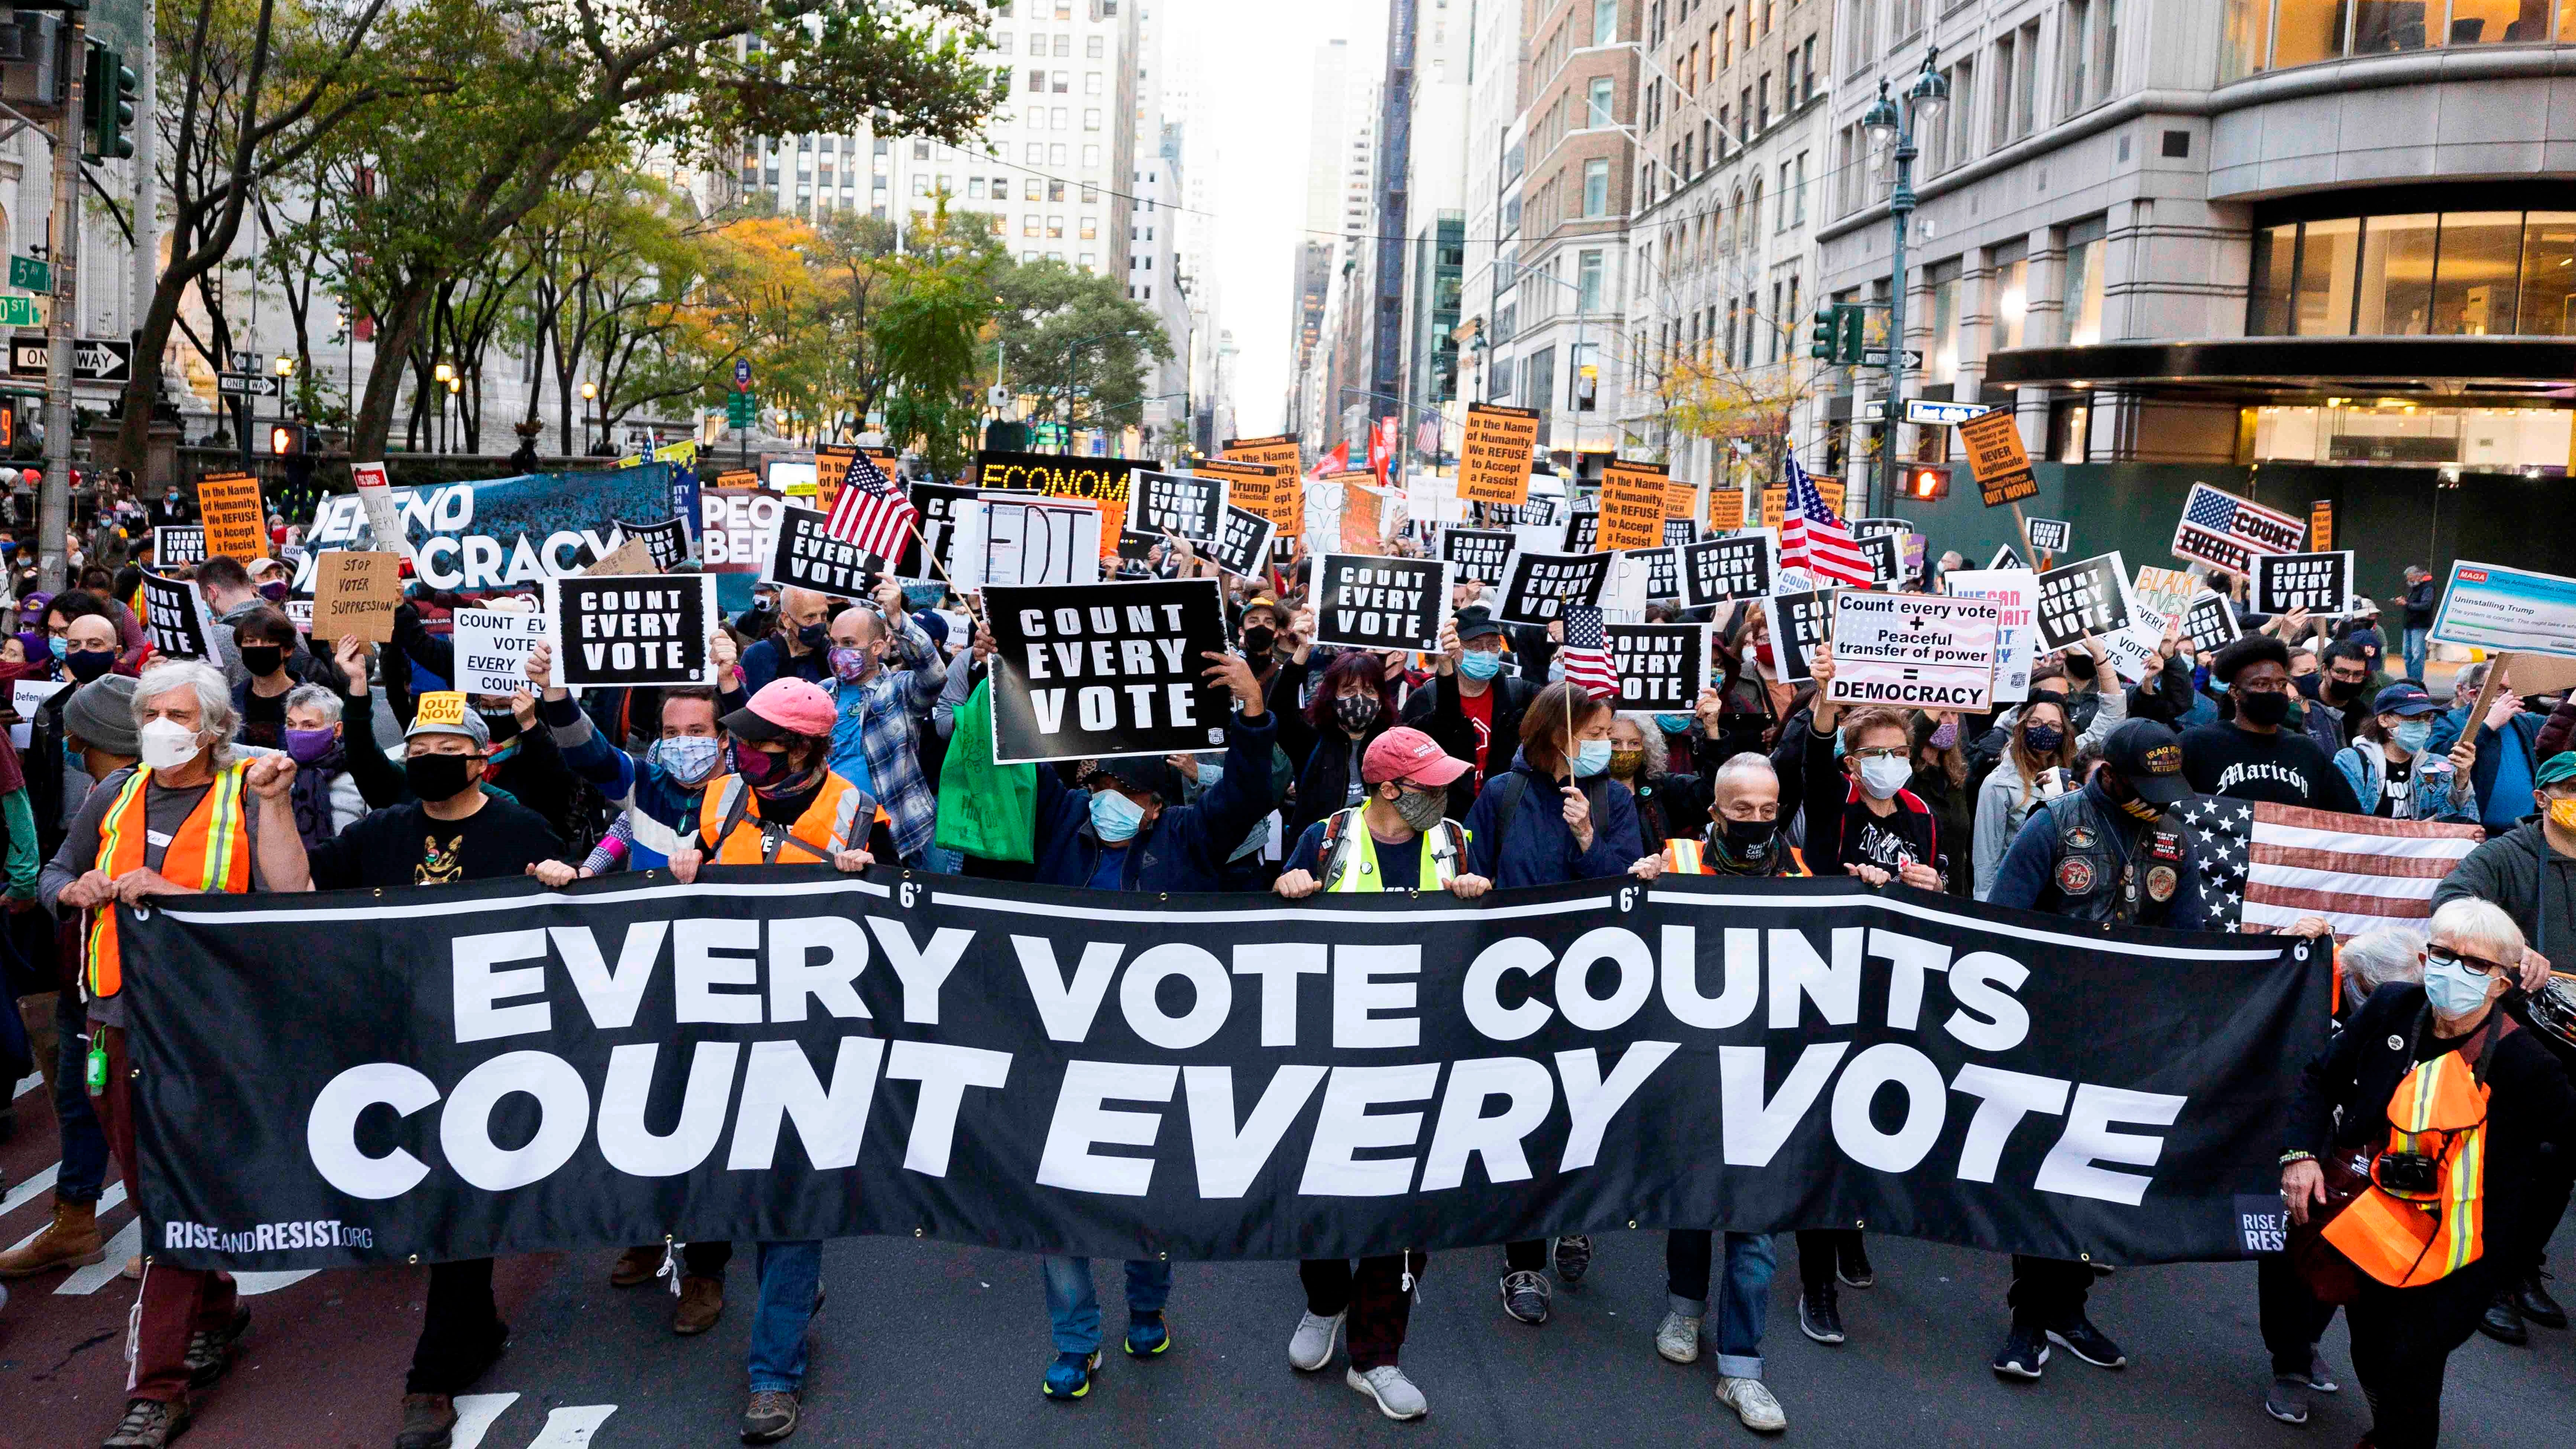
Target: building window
1091 228
1055 227
1091 83
1596 187
1091 47
2089 41
1941 362
920 184
2458 274
1054 190
1807 69
1598 111
1588 274
1605 22
2081 298
2009 285
1030 226
1091 120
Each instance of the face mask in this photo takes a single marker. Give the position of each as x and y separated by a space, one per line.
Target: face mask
1422 809
757 766
1591 757
308 746
2562 813
503 724
1882 777
2451 989
1481 663
2264 710
688 759
1748 839
437 777
2079 666
2410 735
1114 817
852 665
2339 690
262 659
1258 641
1673 724
1354 712
1624 764
2042 739
815 636
1946 736
167 744
274 592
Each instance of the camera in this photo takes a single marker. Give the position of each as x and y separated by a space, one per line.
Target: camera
2408 1174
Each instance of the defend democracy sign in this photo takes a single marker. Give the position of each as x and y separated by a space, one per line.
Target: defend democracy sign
502 532
1101 670
785 1053
1917 651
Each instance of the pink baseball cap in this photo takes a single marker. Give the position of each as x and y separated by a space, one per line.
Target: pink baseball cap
1410 757
783 707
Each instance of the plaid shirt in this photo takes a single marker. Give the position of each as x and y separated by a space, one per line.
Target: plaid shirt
876 721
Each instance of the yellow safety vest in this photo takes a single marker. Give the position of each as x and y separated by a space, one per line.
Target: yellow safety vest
1350 854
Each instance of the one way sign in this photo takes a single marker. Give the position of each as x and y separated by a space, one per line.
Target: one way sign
94 359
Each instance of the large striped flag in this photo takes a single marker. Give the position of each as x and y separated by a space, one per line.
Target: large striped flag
1814 539
872 512
2265 865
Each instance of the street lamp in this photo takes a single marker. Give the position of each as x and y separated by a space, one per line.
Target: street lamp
590 390
1070 349
283 366
1891 130
455 385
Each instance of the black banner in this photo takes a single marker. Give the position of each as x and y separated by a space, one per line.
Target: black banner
806 557
1583 531
1662 667
480 1069
1542 584
1720 570
1245 545
2085 597
1477 554
1368 601
667 541
648 629
1189 504
1096 670
174 618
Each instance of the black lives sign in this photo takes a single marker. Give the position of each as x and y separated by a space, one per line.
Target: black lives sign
1095 671
1540 585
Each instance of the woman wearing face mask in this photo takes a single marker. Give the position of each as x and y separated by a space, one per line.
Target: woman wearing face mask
326 796
1324 741
2445 1102
2392 774
271 654
2037 766
1667 803
781 803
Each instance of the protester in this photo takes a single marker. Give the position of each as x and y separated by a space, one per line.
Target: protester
2249 756
1471 705
2507 741
658 795
2422 596
230 595
782 804
273 662
798 645
1940 781
2391 775
2036 767
327 797
1326 740
876 707
2342 691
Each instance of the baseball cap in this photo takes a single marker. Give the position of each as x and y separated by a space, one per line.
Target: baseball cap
1143 774
1408 756
1477 622
2557 768
2148 755
783 707
446 712
2405 700
2364 608
1262 601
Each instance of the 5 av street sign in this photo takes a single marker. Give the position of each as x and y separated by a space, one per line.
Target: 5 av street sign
31 274
94 359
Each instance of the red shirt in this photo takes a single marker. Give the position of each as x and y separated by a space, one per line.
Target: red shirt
1479 709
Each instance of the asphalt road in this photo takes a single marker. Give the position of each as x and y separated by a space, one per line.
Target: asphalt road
928 1343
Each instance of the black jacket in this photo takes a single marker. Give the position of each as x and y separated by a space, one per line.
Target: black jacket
2519 872
1433 709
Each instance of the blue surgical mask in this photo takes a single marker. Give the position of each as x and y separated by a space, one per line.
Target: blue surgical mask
1481 663
2451 989
688 759
1591 757
1114 817
1673 724
2410 735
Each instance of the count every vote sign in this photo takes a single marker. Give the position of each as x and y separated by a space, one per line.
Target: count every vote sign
628 630
1915 651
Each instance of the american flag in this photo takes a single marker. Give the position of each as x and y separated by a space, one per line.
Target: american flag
2225 531
872 512
1812 538
1587 653
2265 865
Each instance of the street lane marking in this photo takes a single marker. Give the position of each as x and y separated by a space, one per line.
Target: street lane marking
572 1428
251 1285
115 1194
103 1272
474 1416
34 1080
19 1195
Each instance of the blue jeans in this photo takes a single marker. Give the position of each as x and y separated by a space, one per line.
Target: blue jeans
84 1169
1074 1306
2414 651
789 1275
1743 1309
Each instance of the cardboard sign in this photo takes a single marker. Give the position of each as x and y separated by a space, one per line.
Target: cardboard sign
492 648
384 526
1582 531
2321 525
1679 531
1190 505
2015 595
1478 555
634 556
1886 555
2320 583
1368 602
1363 530
1106 482
356 593
228 508
1273 492
2526 675
1106 671
667 541
1721 570
1495 456
26 696
1798 623
1915 651
647 629
1016 541
2050 535
175 618
178 546
1632 506
2489 606
2087 597
1540 585
806 556
1243 547
1992 441
1725 508
1662 667
2210 622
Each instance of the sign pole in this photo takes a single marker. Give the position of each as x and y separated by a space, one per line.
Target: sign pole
54 503
2027 551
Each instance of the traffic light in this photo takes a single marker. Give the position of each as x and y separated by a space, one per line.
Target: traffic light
1821 343
290 440
1835 340
107 106
1926 483
738 409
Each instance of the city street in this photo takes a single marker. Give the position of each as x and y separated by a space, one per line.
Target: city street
931 1343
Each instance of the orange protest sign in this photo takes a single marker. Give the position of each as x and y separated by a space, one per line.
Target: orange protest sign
1264 488
1681 500
831 466
1279 451
1494 458
1362 532
1775 501
228 506
1632 506
2321 525
1725 508
1993 442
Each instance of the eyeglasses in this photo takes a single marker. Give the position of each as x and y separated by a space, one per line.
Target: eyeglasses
1878 752
2474 965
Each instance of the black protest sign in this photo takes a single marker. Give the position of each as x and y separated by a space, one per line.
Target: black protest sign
2320 583
1886 555
1719 570
1870 527
1188 504
667 541
1679 531
1094 671
1663 570
937 505
2090 596
2050 535
1662 667
807 557
1536 510
2210 622
174 618
1245 545
2006 558
1798 622
1542 584
177 546
637 629
1583 531
1477 555
1371 602
1146 555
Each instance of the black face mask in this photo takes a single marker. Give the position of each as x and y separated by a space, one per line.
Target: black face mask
2341 691
1748 839
2079 666
815 636
1258 642
502 723
2264 709
262 659
88 664
437 777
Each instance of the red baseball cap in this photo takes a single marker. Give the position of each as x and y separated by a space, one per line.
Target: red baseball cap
1410 757
788 706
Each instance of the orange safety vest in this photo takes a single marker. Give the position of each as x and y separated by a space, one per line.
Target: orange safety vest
2406 1240
211 852
1684 855
823 829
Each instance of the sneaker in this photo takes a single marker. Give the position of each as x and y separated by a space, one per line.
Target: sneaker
2079 1337
1820 1314
2024 1354
1395 1395
1851 1263
2536 1304
427 1422
1311 1346
149 1424
1525 1296
2318 1377
770 1416
210 1355
1678 1339
701 1304
1753 1404
636 1265
1573 1257
2287 1399
1069 1377
1147 1335
2503 1320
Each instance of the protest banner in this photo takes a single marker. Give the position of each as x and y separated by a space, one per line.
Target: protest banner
737 534
1243 547
492 648
376 502
356 592
1479 555
1632 506
1914 651
667 541
26 696
2167 591
1368 602
2015 595
1274 492
1680 531
175 619
2320 583
1017 541
2049 535
2210 622
1582 531
1886 555
499 533
1280 451
2006 558
2090 596
2321 525
1725 508
1107 482
1540 585
1798 623
229 511
2489 606
806 556
1719 570
1106 670
1662 667
1495 456
1992 441
647 629
178 546
2227 532
1191 505
633 556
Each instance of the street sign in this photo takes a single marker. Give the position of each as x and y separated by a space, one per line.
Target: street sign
20 312
742 373
1877 357
31 274
248 384
94 359
1929 413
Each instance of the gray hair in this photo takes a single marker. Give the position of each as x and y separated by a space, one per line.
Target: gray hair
314 696
1658 763
2471 678
2376 957
1743 765
2480 927
214 699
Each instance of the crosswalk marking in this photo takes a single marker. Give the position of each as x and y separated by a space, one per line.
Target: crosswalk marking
251 1285
571 1428
115 1194
19 1195
33 1081
127 1243
474 1416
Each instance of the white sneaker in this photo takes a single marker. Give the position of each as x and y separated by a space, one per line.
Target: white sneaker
1395 1394
1753 1404
1678 1339
1311 1346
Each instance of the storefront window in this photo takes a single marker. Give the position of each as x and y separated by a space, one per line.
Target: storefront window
2397 276
2300 32
2473 292
2323 307
2244 27
2548 275
2457 274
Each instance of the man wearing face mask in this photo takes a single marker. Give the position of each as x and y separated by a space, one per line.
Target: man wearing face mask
171 510
2248 755
799 646
1473 705
230 598
1260 635
271 657
886 674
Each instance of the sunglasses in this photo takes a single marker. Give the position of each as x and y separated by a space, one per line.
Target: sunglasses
2474 965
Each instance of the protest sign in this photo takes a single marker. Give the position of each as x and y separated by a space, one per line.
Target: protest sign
832 468
2321 525
2210 622
2006 558
1719 570
2015 595
175 618
1540 585
1914 651
1662 667
376 501
1495 456
1679 531
1775 501
2320 583
738 478
1681 505
806 556
2087 597
299 612
935 505
1018 541
667 541
1477 554
737 533
1870 527
1582 531
1107 482
492 648
228 509
789 477
2136 651
1191 505
1992 441
1280 451
1368 602
1632 505
1537 511
2050 535
1725 508
356 593
26 696
1106 670
1273 492
1798 623
1886 555
2489 606
1244 545
1147 555
502 532
2167 591
178 546
2227 532
1662 571
1362 530
647 629
633 556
